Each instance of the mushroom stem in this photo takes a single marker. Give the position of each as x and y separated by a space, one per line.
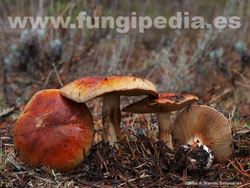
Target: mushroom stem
165 130
111 116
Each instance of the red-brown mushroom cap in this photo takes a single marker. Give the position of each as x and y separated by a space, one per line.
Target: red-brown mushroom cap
54 131
205 125
88 88
166 102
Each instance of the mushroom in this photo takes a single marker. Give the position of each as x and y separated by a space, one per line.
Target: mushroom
163 105
201 125
111 88
54 131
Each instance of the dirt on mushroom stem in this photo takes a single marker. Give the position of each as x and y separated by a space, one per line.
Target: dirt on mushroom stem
199 157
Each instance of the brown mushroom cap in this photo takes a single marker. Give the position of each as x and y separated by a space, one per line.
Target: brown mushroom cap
53 131
206 125
88 88
166 102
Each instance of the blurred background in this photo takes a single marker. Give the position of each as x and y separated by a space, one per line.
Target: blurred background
210 63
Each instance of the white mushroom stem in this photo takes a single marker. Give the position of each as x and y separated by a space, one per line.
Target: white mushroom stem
165 129
111 116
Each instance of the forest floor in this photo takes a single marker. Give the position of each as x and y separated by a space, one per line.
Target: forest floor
141 161
211 64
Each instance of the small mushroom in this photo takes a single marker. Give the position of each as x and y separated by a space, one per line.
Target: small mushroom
111 88
54 131
203 125
163 105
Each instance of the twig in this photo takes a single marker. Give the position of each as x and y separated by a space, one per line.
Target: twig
242 169
103 162
144 148
133 154
226 91
47 79
127 181
140 177
57 75
242 173
86 183
244 185
242 85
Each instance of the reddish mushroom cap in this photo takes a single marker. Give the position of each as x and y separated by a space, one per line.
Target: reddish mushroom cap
166 102
54 131
88 88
